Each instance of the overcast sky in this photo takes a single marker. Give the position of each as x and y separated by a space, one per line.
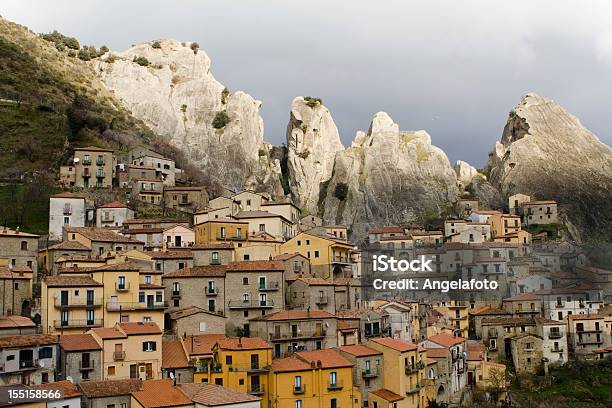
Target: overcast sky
454 68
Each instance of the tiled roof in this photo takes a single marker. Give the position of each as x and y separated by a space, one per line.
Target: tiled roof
25 340
540 202
207 271
387 230
176 254
14 233
109 388
284 257
316 281
475 351
79 342
243 343
201 344
140 328
257 214
297 315
395 344
184 188
69 389
354 313
289 364
445 339
114 204
108 333
522 296
360 350
160 393
150 286
347 325
94 149
101 234
69 245
117 267
218 245
190 311
488 311
585 317
61 281
173 355
134 231
212 395
12 273
328 358
437 352
387 395
14 321
256 266
508 321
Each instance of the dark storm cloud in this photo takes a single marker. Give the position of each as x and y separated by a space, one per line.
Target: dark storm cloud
454 68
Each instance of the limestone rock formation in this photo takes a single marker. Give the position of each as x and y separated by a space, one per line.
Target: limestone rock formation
465 173
312 143
546 152
169 86
387 177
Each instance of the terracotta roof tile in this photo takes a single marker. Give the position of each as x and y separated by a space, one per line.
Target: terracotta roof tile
25 340
116 267
160 393
101 235
297 315
69 245
360 350
206 271
328 358
13 321
69 390
445 339
67 194
176 254
140 328
201 343
108 333
288 364
256 266
79 342
114 204
387 395
395 344
476 351
437 352
522 296
243 343
173 355
61 281
212 395
190 311
109 388
347 325
218 245
387 230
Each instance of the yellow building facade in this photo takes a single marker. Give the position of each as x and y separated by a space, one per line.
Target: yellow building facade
326 255
221 231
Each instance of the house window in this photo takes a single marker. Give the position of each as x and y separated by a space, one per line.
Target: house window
262 227
149 346
24 245
333 378
159 296
45 352
228 360
141 297
245 280
148 279
110 371
211 305
298 404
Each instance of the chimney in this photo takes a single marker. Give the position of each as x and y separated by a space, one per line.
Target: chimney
240 342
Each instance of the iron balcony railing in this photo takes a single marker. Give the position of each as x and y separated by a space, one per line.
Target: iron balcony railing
78 323
250 304
118 306
77 303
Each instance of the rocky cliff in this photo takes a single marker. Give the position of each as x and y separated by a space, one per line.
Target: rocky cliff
387 177
546 152
312 144
169 86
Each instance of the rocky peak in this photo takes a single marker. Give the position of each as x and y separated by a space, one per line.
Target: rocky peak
312 143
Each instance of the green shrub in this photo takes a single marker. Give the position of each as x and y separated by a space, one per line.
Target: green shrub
312 102
220 120
194 47
262 153
304 154
224 95
156 45
84 54
60 46
72 53
183 108
111 58
142 61
59 38
341 191
103 50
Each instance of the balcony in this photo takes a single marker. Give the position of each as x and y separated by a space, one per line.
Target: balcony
211 291
269 287
300 389
560 305
100 173
122 287
215 261
86 162
231 237
458 318
257 304
28 364
297 335
343 260
77 324
252 368
554 335
257 389
370 372
76 303
119 355
67 209
587 342
86 365
322 300
458 304
176 294
413 390
108 219
414 368
335 386
120 306
527 311
100 161
557 350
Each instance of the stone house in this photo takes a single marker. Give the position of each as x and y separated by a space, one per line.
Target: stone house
193 320
171 261
94 167
498 331
67 176
101 240
515 203
249 200
188 199
368 368
148 191
113 215
20 249
220 253
370 322
15 290
310 293
295 264
127 173
524 304
109 393
165 168
540 212
528 283
199 286
81 357
401 319
15 325
48 257
309 221
527 353
292 331
455 365
585 333
178 236
559 303
554 340
175 363
29 359
263 221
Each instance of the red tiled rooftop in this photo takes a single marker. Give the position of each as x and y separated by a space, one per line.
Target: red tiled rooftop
173 355
243 343
395 344
160 393
360 350
387 395
79 342
328 358
445 339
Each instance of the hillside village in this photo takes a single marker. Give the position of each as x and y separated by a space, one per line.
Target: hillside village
147 293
